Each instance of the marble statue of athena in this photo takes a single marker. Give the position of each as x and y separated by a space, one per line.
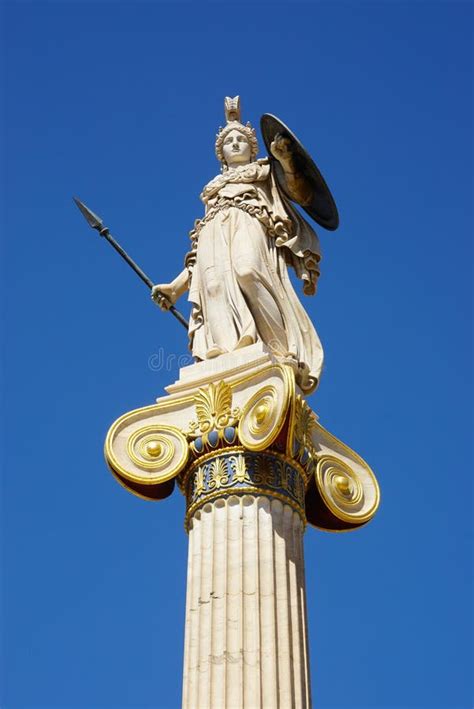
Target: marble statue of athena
237 269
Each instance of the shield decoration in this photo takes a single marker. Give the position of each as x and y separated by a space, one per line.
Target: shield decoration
322 208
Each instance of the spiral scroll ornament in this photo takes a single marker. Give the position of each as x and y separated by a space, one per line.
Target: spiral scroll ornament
159 450
262 419
351 497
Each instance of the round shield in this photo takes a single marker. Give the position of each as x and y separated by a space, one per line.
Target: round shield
322 208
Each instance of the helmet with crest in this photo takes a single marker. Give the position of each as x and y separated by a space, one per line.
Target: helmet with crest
232 115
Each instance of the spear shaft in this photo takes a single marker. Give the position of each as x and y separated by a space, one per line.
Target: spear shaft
96 223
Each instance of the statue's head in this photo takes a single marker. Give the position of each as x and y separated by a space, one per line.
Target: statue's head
236 144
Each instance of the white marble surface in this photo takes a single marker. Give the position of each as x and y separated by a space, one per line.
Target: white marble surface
236 271
246 637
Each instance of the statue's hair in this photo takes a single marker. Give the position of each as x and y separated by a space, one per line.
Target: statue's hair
246 130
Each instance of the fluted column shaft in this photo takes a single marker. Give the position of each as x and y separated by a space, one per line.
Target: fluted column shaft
246 638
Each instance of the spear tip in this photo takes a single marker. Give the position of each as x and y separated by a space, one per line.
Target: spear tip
92 219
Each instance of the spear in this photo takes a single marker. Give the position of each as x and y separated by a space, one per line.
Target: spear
96 223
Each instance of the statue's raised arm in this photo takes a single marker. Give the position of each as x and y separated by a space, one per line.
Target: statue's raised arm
236 270
297 173
296 184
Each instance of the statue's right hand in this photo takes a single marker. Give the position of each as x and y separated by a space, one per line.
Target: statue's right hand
164 295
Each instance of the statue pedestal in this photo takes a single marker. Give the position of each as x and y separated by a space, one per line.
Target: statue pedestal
255 466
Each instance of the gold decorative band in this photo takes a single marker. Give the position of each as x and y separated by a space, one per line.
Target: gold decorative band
237 471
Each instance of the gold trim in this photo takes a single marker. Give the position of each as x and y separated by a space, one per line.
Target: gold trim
291 412
207 456
151 448
341 531
272 369
351 453
265 397
150 434
240 491
189 398
235 384
213 406
129 489
288 388
236 449
150 480
326 489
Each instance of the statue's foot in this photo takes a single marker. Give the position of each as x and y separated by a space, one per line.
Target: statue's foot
245 341
214 351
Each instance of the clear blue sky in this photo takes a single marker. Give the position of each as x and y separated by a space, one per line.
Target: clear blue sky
119 103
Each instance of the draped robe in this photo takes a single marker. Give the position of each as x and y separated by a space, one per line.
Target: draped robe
239 285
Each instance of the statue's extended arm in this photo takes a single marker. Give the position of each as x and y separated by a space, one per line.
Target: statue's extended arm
299 188
166 294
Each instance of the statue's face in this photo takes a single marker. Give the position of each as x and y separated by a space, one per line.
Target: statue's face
236 149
